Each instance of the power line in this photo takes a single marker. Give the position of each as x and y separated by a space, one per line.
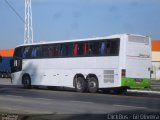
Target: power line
12 8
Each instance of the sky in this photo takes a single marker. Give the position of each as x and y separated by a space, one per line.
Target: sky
73 19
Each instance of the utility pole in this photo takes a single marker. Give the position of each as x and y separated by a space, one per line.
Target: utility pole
28 30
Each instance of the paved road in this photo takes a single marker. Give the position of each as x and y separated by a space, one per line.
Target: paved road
15 99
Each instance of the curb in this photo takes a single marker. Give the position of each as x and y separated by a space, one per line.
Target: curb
144 91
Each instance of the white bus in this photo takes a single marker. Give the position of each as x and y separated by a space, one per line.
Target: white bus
116 62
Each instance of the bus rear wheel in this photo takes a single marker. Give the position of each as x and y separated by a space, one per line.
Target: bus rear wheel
80 84
26 82
92 85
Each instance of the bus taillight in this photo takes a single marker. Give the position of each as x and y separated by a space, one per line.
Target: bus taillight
123 73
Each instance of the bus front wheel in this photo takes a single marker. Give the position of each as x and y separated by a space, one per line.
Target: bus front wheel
81 84
26 82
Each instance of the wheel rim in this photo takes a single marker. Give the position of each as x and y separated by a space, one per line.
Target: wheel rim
79 85
92 84
26 82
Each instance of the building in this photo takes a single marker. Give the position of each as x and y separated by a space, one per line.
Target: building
6 52
156 59
5 57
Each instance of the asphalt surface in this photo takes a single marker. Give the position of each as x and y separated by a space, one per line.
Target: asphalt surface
15 99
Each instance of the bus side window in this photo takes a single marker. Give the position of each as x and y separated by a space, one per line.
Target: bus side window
96 47
45 51
80 49
64 50
58 48
67 50
34 52
54 51
26 52
108 50
70 50
90 49
75 47
115 48
85 49
102 48
112 48
39 51
50 51
29 54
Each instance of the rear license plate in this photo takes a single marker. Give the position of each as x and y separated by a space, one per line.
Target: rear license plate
138 81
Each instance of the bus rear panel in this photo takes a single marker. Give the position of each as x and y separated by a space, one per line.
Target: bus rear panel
137 62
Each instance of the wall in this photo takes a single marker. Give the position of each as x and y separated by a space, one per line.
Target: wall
156 59
5 57
6 53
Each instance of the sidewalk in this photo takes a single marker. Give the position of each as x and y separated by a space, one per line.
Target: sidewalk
154 88
145 91
155 85
5 81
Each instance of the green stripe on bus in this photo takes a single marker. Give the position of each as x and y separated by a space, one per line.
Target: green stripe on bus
132 83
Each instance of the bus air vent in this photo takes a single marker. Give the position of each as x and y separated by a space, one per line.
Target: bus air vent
108 76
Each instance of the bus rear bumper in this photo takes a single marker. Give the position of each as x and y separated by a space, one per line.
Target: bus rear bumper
134 83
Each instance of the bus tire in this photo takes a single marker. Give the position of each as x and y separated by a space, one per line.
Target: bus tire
93 85
26 82
80 84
